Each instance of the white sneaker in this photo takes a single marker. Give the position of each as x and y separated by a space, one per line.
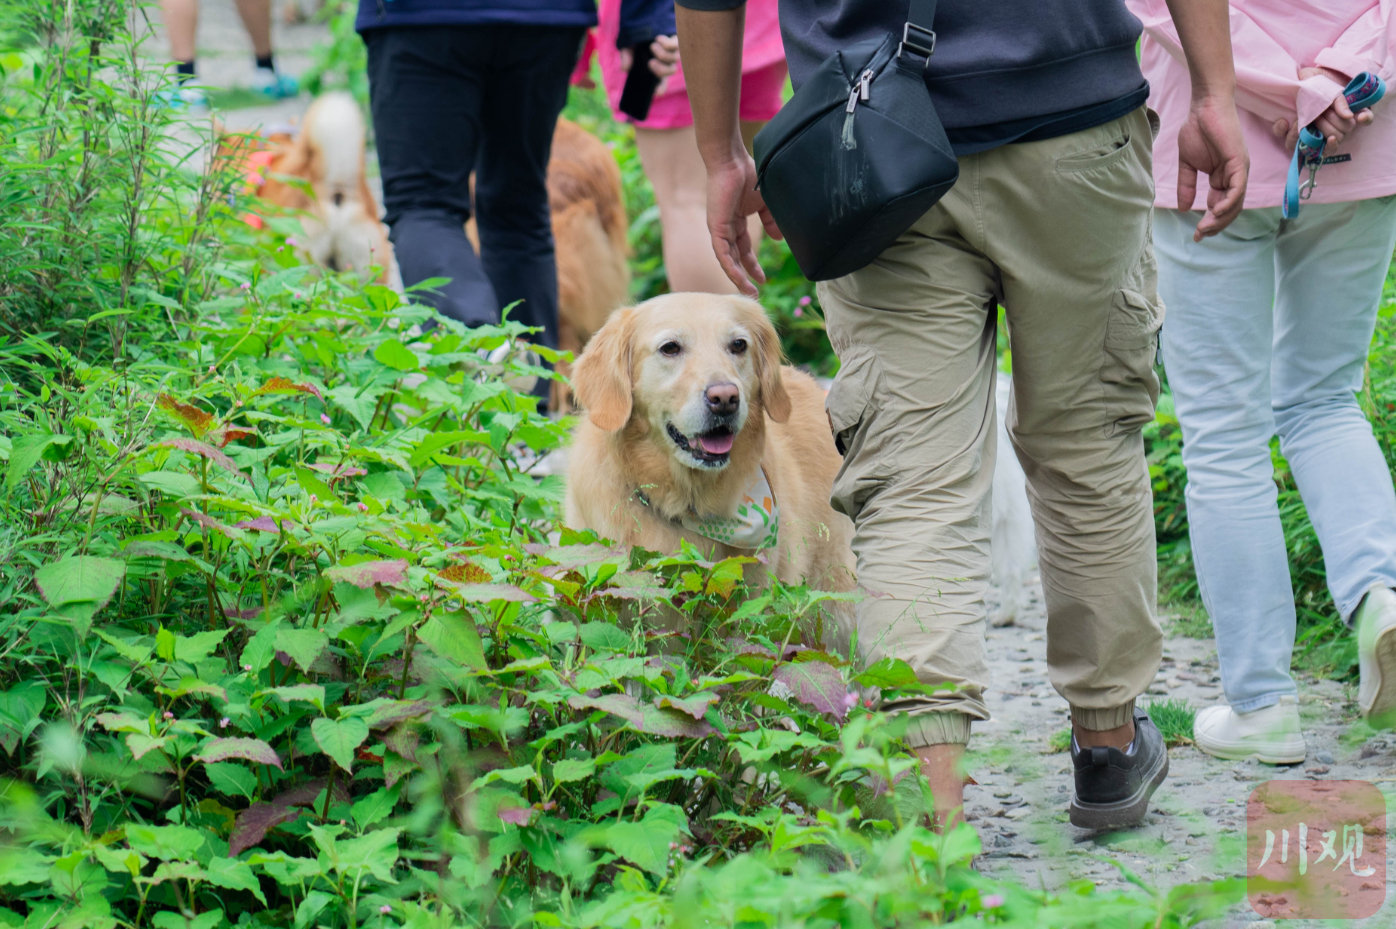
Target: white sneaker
1375 620
1270 734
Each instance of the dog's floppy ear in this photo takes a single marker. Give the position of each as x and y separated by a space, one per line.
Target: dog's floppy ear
774 399
601 376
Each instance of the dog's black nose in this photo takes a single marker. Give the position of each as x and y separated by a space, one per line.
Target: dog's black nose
723 399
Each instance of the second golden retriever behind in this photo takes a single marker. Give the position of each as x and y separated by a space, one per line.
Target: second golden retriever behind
695 431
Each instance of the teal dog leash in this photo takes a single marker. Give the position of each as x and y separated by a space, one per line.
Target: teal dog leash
1362 92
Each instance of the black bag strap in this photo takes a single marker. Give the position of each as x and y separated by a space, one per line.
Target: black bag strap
917 34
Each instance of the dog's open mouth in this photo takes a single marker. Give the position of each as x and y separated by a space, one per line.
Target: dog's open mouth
712 447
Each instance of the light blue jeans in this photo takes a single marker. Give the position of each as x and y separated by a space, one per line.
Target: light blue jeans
1266 331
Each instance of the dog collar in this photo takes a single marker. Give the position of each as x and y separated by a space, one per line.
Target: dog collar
755 525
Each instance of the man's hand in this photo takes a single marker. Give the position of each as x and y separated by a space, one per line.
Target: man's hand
1210 142
732 197
1336 122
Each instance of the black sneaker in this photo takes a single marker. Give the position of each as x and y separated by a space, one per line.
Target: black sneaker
1113 787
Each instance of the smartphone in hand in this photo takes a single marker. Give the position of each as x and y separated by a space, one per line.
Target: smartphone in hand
640 84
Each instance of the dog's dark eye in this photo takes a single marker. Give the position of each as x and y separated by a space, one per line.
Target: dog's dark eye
738 346
670 349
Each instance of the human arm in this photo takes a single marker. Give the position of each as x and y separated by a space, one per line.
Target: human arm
712 43
1210 140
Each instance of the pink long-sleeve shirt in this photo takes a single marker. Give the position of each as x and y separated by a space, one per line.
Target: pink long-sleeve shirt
1272 40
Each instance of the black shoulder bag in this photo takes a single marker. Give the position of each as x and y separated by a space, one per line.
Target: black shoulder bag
858 154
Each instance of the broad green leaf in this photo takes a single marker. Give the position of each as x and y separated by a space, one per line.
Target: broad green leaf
375 852
170 919
303 645
517 775
339 737
261 648
198 646
313 694
646 843
358 403
80 579
232 780
26 451
234 875
311 907
573 769
165 644
168 843
453 637
176 484
370 809
246 749
604 637
396 355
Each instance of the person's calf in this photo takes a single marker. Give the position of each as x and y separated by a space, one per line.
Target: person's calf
943 767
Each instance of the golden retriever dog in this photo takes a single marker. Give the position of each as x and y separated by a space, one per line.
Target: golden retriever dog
687 408
341 222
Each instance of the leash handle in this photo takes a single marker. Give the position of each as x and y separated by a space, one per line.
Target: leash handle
1361 93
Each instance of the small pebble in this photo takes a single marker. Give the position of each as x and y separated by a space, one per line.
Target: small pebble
1324 758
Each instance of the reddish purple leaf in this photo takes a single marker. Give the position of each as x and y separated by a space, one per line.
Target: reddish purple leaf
337 472
208 451
197 421
366 574
249 613
743 647
485 593
402 740
816 684
261 524
255 822
246 749
397 711
622 705
281 385
694 706
306 794
673 724
515 815
203 519
574 556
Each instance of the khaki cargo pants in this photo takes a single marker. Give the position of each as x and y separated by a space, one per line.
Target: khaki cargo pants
1058 232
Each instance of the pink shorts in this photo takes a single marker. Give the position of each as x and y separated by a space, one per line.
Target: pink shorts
760 100
763 70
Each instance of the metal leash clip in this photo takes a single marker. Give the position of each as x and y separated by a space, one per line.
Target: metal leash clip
1361 92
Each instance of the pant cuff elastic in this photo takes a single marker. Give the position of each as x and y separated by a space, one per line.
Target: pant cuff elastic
1096 719
938 729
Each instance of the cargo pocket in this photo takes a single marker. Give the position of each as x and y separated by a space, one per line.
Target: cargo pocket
861 431
1131 343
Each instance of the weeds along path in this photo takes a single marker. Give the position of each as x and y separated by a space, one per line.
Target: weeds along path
1196 827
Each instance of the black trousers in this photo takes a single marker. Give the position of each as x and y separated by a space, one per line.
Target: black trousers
451 99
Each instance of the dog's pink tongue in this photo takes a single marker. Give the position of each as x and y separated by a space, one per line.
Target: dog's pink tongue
716 444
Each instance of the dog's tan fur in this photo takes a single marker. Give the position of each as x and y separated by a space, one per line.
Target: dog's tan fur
621 446
340 213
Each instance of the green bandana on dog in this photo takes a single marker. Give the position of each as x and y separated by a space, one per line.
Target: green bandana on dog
755 525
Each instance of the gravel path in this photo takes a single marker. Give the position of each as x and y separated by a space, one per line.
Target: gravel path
1196 827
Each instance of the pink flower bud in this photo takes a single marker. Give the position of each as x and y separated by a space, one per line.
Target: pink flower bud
223 723
169 715
363 507
992 901
342 823
314 499
298 295
291 241
805 300
244 286
325 418
247 667
798 313
385 909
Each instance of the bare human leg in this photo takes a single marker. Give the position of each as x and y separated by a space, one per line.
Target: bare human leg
675 170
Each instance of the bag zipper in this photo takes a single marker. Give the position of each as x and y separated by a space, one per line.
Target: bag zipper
861 90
